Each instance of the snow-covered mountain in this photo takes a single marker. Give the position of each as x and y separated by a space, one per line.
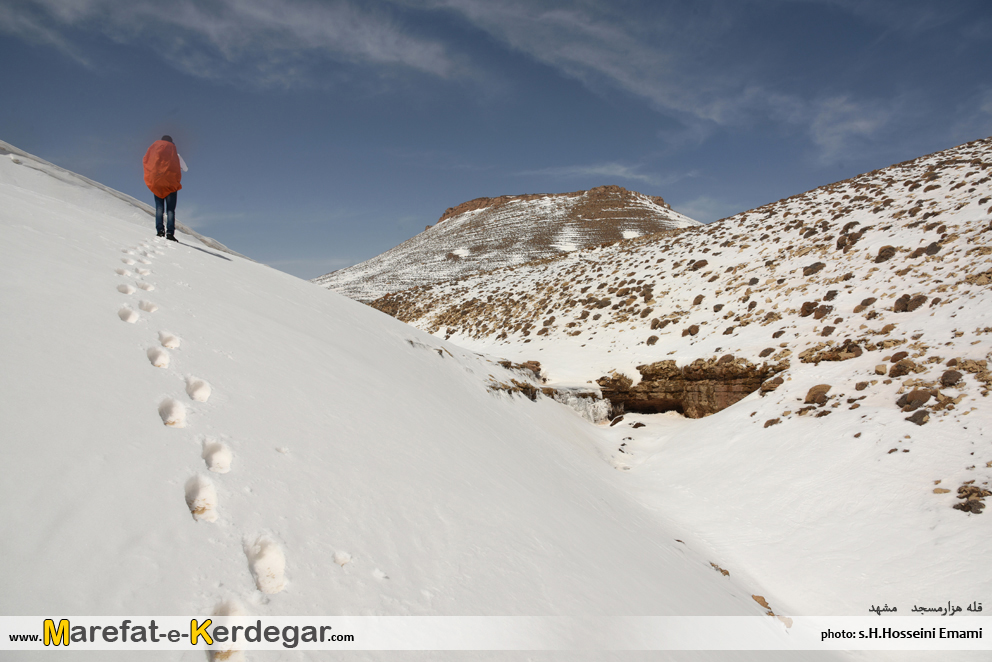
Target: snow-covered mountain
185 430
489 233
840 339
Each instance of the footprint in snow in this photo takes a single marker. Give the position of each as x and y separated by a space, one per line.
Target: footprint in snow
173 413
128 261
124 288
267 563
228 652
197 389
123 272
379 574
201 498
158 356
147 306
342 558
147 287
169 340
128 315
144 272
217 455
144 261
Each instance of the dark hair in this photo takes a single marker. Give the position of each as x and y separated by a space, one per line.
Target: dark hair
167 138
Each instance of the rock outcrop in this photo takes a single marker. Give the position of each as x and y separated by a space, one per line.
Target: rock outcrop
699 389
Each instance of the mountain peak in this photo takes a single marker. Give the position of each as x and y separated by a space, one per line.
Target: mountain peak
489 233
597 193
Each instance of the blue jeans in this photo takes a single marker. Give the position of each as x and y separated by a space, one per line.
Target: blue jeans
168 206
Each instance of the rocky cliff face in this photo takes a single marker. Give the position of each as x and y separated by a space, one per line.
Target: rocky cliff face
699 389
489 233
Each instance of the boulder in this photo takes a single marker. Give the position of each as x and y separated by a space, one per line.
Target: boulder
902 368
914 399
885 253
907 303
950 378
817 395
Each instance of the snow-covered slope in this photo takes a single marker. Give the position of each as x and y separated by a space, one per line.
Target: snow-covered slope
176 420
39 175
877 287
488 233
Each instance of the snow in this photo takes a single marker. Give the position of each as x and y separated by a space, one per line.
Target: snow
169 340
197 389
128 315
376 473
217 455
173 413
518 231
268 564
158 357
827 514
201 498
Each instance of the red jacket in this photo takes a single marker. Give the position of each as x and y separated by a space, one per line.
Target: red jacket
162 171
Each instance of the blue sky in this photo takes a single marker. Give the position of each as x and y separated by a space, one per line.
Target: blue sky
321 133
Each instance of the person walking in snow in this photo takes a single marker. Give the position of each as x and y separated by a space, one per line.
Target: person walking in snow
164 170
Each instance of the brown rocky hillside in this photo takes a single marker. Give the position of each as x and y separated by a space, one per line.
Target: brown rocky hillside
887 274
490 233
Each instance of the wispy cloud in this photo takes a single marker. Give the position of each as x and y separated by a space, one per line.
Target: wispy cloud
666 54
593 43
267 42
668 59
838 124
607 170
30 27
